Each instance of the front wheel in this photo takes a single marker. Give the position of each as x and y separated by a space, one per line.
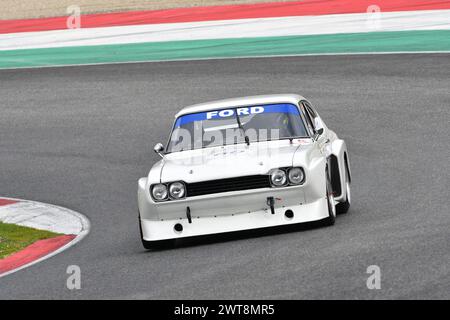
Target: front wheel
331 219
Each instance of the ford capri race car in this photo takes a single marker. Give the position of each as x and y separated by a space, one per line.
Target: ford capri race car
240 164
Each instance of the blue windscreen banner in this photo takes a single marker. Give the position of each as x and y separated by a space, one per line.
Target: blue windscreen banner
241 112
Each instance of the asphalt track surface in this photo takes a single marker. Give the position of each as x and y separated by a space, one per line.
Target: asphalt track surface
80 137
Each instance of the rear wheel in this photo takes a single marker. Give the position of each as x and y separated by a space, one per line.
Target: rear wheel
343 207
330 220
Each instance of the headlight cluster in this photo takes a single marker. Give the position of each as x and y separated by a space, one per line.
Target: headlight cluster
287 176
165 191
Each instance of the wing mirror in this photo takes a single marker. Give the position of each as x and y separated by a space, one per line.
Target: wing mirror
159 148
318 125
318 133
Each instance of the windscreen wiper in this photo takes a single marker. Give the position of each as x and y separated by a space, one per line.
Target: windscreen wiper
246 138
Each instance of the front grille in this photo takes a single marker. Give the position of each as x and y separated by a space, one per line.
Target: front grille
226 185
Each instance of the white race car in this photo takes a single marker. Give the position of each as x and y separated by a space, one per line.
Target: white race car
240 164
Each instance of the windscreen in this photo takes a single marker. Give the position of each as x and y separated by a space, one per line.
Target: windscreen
232 125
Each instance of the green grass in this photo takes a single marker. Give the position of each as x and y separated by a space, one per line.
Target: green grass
14 238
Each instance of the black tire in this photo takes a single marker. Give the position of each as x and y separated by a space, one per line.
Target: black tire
331 219
343 207
155 245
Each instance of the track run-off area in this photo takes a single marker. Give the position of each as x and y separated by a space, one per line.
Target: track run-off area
80 137
308 27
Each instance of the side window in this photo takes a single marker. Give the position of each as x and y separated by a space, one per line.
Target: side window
313 116
309 121
311 111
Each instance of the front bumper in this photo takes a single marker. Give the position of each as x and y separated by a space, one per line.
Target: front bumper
154 230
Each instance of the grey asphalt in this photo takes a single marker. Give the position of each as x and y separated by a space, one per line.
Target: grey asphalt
80 137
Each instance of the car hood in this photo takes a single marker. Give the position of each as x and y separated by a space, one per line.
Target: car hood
229 161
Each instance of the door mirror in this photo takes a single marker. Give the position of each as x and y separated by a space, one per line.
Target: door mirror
318 133
159 148
318 125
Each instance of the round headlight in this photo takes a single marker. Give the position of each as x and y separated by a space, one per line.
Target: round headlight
278 177
177 190
159 192
296 175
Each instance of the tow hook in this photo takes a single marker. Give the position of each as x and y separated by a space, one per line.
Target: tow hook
271 204
188 214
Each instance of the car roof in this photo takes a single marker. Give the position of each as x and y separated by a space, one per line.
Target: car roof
240 102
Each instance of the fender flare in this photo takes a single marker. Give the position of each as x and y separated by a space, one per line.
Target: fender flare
339 161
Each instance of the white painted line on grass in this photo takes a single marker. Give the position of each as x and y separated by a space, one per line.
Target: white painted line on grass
229 29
